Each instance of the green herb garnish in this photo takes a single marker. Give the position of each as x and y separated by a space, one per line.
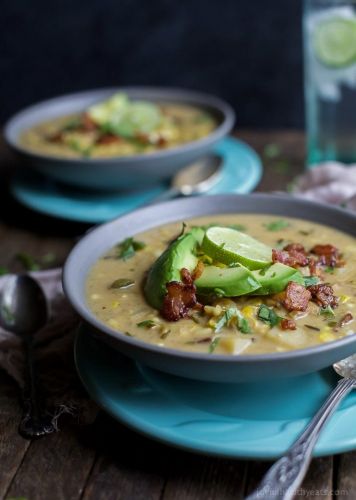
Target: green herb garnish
213 344
281 167
27 261
147 323
127 248
310 280
267 315
311 327
329 269
48 258
122 283
231 313
277 225
164 334
327 311
271 151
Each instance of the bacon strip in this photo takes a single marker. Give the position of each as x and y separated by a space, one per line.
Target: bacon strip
108 139
323 295
288 324
328 255
293 255
87 124
296 297
345 319
180 297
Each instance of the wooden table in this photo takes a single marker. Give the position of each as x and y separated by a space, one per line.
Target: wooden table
106 460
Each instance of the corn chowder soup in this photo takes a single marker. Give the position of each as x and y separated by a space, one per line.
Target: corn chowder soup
119 127
229 284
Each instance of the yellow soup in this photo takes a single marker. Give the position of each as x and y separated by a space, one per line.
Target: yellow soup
70 136
205 330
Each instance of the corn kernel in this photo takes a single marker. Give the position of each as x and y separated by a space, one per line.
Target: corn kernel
213 310
344 298
248 311
212 323
326 336
115 304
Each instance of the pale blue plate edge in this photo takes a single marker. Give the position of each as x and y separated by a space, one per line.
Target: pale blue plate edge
21 193
140 425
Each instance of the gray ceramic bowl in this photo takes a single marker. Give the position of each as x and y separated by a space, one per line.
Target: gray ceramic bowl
119 172
219 368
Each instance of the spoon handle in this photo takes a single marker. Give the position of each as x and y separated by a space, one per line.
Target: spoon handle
34 422
168 194
283 478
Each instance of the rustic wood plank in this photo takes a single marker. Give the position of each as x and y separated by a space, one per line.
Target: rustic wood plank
193 477
129 466
317 482
346 476
319 479
12 446
55 467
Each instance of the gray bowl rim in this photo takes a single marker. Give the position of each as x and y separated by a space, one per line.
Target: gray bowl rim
89 317
178 94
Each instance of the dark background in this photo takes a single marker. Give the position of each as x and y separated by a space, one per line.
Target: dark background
247 51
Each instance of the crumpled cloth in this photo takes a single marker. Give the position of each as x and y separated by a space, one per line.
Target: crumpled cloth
330 182
58 380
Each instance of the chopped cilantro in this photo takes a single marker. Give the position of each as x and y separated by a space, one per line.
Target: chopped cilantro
122 283
327 311
271 151
213 344
268 315
147 323
243 325
329 269
127 248
310 280
231 313
48 258
277 225
27 261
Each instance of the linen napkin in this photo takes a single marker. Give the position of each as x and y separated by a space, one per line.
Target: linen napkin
62 390
330 182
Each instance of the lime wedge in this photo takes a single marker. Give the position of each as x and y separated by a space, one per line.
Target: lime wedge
334 42
229 246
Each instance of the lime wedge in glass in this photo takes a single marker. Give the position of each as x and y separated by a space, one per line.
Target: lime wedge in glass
334 42
229 246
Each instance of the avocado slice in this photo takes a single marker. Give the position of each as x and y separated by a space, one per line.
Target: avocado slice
276 278
179 254
226 281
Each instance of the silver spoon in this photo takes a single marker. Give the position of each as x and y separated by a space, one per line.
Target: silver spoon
285 476
196 178
23 311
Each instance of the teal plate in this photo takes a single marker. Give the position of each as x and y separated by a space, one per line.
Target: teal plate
254 421
241 173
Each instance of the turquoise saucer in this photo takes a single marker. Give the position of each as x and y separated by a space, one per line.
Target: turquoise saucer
254 421
242 171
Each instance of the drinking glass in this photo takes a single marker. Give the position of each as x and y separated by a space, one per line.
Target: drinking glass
329 28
